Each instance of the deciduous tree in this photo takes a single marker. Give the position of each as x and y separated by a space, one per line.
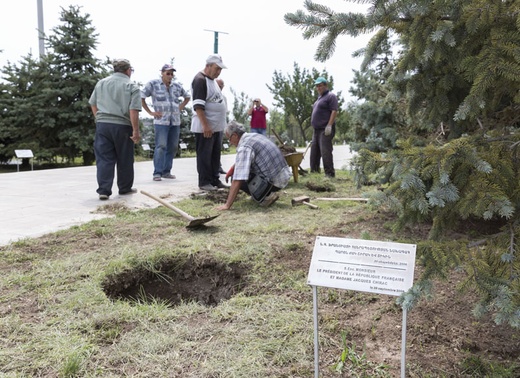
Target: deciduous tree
295 95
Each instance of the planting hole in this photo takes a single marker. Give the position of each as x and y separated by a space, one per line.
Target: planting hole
208 282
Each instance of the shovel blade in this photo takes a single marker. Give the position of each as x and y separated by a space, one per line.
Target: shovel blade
197 222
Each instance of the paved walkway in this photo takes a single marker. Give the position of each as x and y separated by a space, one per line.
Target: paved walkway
34 203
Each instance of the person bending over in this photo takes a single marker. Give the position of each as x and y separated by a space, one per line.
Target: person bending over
260 169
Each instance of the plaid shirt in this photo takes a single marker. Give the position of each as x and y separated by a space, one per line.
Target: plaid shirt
258 155
165 100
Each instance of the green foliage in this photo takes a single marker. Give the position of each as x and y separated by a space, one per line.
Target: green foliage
356 365
472 179
438 130
241 103
295 95
47 107
475 366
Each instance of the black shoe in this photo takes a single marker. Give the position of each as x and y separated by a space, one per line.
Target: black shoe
131 191
208 188
103 197
221 185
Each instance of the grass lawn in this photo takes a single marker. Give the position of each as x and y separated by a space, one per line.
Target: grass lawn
140 295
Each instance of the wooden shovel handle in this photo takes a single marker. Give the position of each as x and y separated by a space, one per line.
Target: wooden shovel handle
169 206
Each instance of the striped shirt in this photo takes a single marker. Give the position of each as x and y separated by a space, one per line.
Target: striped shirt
165 100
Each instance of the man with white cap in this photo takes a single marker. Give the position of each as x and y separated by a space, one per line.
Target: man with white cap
167 107
208 122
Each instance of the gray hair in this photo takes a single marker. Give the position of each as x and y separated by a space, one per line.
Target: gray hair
121 65
234 127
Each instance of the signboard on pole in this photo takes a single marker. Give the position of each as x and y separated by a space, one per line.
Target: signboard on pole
362 265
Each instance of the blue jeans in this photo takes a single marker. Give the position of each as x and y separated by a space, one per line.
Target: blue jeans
259 131
166 145
113 146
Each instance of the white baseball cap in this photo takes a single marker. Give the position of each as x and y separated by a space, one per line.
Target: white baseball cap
215 59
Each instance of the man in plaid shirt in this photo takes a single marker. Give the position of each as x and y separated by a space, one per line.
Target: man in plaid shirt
259 170
166 96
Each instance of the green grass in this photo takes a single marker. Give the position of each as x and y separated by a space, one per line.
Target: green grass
57 320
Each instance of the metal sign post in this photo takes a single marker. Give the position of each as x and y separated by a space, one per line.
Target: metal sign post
23 154
215 39
362 265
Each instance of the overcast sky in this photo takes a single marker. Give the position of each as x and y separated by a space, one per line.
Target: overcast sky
151 33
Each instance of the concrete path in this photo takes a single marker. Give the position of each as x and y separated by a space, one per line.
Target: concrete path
34 203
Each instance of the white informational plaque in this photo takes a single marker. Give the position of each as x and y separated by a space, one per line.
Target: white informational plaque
20 154
362 265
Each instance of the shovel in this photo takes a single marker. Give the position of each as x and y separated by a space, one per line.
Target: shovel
194 222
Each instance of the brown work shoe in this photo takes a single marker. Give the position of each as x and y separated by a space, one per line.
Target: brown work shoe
269 200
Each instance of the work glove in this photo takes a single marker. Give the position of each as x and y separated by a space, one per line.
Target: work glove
328 130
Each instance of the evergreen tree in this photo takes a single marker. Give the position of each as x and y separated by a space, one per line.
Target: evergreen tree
21 102
456 159
73 73
46 109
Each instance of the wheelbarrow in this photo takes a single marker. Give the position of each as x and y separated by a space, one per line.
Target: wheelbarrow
294 160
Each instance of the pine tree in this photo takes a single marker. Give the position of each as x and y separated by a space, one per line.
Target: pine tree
45 101
73 73
456 161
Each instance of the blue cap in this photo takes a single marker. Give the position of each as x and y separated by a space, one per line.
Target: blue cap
320 80
168 67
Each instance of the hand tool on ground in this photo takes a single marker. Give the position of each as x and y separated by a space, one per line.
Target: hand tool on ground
305 200
342 199
194 222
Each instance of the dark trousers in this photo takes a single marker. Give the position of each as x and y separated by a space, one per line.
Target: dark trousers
244 186
208 158
321 149
113 146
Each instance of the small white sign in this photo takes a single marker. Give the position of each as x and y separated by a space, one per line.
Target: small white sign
183 146
23 154
146 147
362 265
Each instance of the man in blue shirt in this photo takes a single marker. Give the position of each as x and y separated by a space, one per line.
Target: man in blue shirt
166 95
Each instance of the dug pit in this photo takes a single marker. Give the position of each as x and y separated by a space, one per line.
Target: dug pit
175 281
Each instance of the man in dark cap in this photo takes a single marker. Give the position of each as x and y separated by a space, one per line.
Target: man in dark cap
166 94
116 104
323 121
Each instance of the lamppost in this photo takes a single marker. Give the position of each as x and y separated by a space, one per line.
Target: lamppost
41 32
215 45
